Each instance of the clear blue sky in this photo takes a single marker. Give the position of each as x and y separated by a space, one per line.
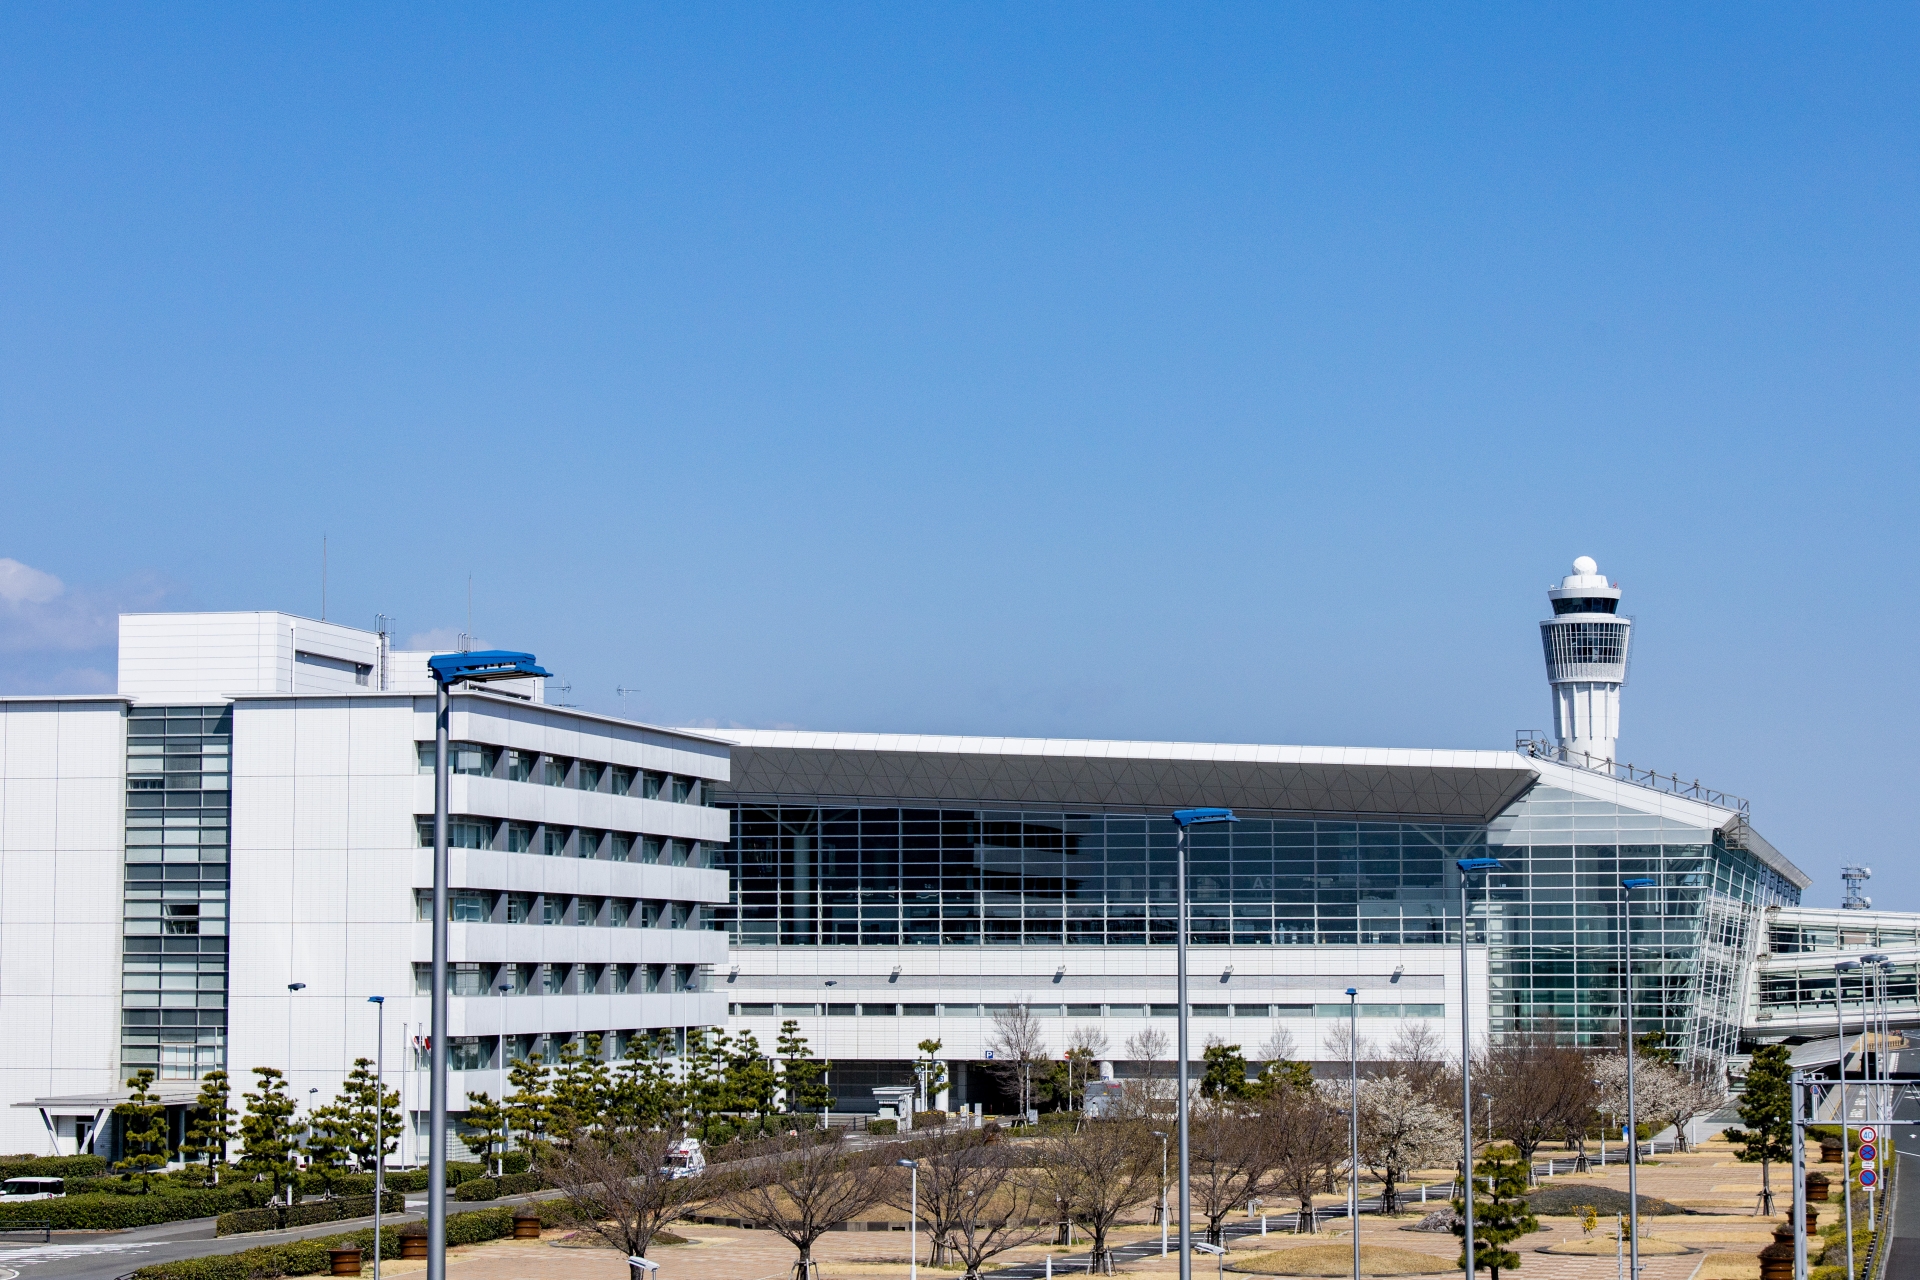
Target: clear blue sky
1196 372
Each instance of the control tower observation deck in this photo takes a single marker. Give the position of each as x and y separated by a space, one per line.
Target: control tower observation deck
1586 648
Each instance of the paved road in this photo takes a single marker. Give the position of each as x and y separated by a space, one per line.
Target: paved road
103 1255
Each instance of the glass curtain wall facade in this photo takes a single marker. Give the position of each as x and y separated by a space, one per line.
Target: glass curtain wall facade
173 986
805 873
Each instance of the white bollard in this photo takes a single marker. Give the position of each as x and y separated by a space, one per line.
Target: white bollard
1263 1222
1049 1267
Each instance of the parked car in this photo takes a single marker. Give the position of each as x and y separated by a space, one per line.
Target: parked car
685 1159
14 1190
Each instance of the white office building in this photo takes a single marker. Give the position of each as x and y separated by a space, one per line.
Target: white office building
220 864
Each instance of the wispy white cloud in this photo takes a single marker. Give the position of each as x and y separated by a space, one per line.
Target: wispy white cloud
40 614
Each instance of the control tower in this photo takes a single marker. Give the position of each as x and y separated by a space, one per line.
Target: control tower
1586 646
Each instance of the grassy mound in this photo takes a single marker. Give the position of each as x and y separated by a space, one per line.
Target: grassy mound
1337 1260
1564 1200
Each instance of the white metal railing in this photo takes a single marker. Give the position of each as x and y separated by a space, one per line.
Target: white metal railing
1671 783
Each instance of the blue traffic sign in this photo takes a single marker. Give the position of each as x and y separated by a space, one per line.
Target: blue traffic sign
1867 1177
1866 1151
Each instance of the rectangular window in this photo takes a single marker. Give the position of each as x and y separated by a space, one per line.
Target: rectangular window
554 979
620 975
520 766
840 1011
554 841
586 776
649 785
682 788
468 1053
586 912
519 837
620 781
554 770
466 980
649 915
617 913
878 1011
677 853
519 908
470 906
552 908
619 848
587 845
649 849
589 979
906 1010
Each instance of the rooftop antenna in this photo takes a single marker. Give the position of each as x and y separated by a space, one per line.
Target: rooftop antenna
1853 878
623 691
384 626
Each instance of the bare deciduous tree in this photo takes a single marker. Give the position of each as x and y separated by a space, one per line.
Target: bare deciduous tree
1310 1141
1019 1052
616 1188
810 1184
1417 1056
1230 1160
975 1199
1540 1088
1098 1173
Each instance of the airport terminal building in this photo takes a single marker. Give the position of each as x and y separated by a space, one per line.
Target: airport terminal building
219 863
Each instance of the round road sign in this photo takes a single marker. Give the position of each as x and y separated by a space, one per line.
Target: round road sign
1866 1152
1868 1135
1867 1177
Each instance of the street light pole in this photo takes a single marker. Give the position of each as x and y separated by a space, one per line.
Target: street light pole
1163 1191
1840 972
448 670
1627 887
913 1218
1184 818
1467 867
1353 1122
293 989
379 1123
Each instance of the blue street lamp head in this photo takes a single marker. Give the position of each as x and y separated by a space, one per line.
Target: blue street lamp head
376 999
1352 992
1638 882
1470 865
1195 817
908 1164
488 664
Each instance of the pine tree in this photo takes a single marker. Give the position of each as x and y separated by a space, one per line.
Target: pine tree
1767 1110
750 1078
581 1086
647 1094
529 1108
802 1080
1503 1216
329 1144
933 1073
486 1133
210 1126
269 1131
703 1077
1226 1072
369 1114
143 1129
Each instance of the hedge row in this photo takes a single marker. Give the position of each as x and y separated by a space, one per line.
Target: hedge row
514 1184
108 1212
280 1217
361 1184
309 1257
24 1166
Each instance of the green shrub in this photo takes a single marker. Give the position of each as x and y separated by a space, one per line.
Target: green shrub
514 1184
309 1257
24 1166
929 1119
109 1212
883 1127
514 1162
279 1217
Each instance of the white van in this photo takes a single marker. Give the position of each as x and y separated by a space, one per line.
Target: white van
15 1190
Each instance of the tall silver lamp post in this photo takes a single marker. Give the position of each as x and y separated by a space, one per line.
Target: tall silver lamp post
1627 886
448 670
913 1218
1468 867
1353 1122
1185 818
1163 1191
379 1122
1840 972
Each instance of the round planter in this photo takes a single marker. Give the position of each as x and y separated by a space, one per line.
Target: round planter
526 1226
343 1262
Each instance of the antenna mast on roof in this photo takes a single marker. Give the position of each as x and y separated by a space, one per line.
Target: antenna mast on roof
1853 878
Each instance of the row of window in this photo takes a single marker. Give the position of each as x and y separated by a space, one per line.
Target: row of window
1087 1010
483 760
485 906
474 979
566 842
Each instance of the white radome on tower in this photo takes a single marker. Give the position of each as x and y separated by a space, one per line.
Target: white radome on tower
1586 649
